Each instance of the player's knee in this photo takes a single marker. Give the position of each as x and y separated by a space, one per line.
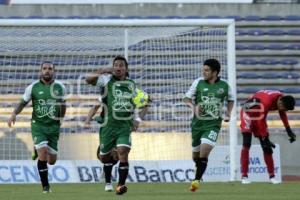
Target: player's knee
247 140
267 150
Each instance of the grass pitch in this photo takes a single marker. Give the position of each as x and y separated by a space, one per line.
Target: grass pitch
156 191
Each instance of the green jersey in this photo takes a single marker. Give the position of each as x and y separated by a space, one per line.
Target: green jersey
117 100
210 100
46 101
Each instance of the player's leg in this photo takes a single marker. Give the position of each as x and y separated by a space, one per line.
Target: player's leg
196 141
246 131
268 157
41 145
123 149
247 137
109 160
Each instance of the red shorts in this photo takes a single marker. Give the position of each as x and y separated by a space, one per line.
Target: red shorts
252 123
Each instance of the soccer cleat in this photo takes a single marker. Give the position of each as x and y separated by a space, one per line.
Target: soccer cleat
108 187
121 189
34 154
274 181
47 189
194 185
245 180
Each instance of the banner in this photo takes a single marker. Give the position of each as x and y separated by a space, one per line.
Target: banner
82 171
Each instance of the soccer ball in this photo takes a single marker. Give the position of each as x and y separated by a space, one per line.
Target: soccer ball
140 99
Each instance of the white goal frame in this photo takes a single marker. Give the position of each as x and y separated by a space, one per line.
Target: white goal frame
231 61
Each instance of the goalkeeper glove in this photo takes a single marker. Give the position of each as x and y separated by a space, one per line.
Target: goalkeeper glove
291 134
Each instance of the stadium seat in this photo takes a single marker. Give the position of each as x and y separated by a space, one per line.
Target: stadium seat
153 17
235 17
272 18
269 62
293 32
173 17
252 18
250 90
133 17
94 17
291 75
212 17
289 62
292 17
271 75
293 46
248 75
240 32
275 32
256 47
247 62
193 17
276 47
256 32
241 47
295 90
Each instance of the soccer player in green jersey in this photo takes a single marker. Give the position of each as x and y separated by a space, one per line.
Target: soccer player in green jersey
119 117
206 97
49 108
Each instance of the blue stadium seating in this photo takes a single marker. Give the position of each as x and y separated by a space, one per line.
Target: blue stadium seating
248 75
256 32
292 17
291 75
235 17
293 32
295 90
293 46
247 61
256 47
271 75
272 18
252 18
275 32
276 47
289 61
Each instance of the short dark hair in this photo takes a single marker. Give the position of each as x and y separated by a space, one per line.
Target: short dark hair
213 64
47 62
121 58
288 102
125 61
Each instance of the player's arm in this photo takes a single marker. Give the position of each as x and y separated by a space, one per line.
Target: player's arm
91 114
290 133
230 105
189 95
141 115
18 109
93 78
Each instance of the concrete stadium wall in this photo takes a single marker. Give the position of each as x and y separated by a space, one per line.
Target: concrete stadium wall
150 9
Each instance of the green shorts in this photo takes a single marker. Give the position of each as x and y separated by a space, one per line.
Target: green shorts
113 137
45 135
208 136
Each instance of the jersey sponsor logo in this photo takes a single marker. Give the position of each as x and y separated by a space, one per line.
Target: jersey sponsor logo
210 106
220 91
46 108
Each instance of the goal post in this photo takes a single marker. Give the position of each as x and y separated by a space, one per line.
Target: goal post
164 56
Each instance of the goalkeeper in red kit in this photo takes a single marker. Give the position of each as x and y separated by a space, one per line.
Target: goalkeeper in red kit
254 121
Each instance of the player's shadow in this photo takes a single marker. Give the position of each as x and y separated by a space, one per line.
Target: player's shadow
13 148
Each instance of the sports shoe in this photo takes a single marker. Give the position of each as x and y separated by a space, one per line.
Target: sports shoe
245 180
121 189
108 187
47 189
274 181
34 154
194 185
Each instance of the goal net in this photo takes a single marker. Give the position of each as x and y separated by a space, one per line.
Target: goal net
165 57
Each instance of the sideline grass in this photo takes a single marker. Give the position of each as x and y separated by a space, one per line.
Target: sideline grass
156 191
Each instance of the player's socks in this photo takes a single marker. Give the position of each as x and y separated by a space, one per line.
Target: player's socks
201 167
245 161
270 163
123 172
43 171
107 168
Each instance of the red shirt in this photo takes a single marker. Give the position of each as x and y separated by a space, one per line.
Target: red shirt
268 100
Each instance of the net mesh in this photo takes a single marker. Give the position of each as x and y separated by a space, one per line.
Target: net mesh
164 61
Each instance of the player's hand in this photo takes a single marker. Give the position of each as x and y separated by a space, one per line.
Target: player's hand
136 124
266 143
87 124
198 110
291 135
11 120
